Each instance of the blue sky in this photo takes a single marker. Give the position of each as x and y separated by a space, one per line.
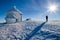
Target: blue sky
34 9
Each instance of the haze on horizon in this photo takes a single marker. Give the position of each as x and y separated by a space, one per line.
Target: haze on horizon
34 9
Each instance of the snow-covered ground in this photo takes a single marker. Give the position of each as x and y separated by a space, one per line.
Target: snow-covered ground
19 31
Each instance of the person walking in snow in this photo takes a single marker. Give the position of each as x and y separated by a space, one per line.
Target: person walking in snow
46 18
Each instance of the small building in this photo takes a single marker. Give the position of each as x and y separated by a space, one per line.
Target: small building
13 15
28 19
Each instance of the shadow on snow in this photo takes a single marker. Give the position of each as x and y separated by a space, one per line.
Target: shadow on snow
34 31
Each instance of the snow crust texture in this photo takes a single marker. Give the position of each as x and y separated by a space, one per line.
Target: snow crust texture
19 31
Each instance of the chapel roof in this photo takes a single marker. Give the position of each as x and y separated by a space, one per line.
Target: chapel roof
14 9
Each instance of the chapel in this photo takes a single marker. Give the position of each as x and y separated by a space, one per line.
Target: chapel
13 15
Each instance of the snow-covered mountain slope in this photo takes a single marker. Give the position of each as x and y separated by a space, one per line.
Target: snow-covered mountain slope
19 31
52 27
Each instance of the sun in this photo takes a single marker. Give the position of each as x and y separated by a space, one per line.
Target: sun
52 8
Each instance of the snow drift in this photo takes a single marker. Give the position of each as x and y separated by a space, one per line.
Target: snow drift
19 31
